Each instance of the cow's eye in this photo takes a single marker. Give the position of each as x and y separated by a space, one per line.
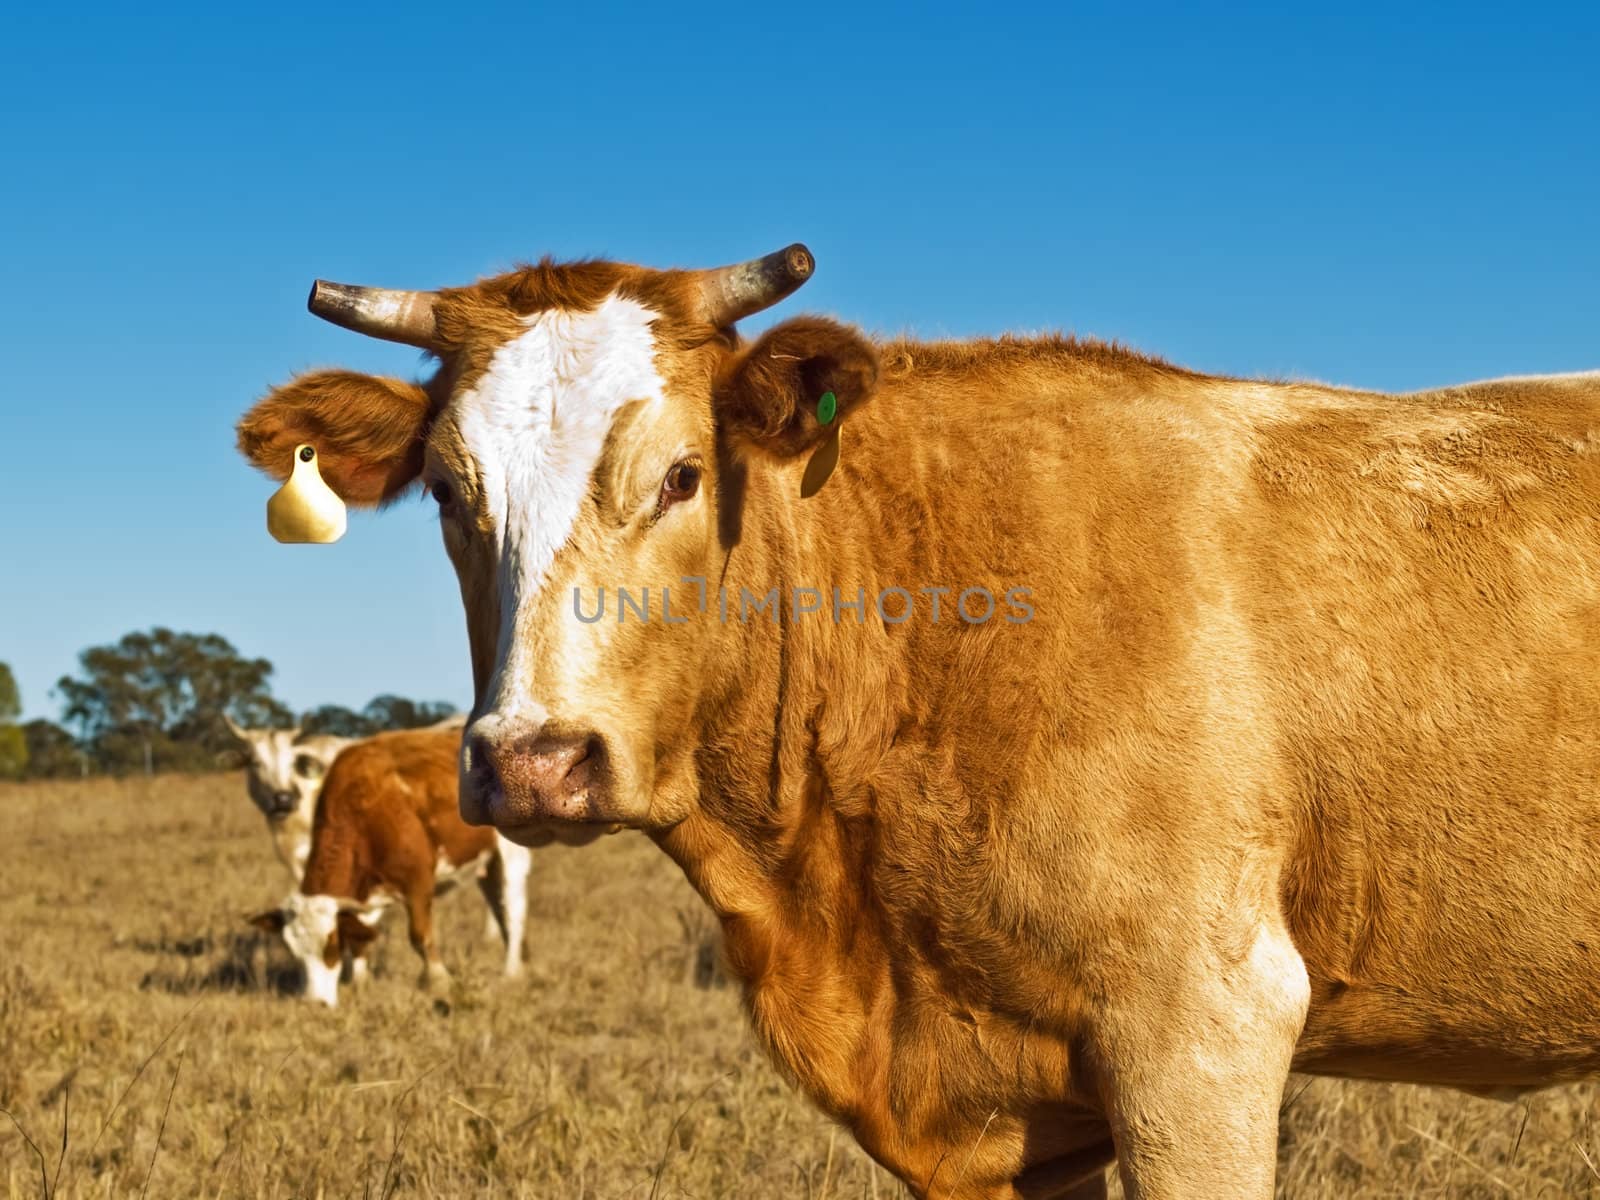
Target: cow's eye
307 766
682 481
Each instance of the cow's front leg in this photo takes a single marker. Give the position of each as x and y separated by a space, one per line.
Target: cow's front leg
419 912
1194 1071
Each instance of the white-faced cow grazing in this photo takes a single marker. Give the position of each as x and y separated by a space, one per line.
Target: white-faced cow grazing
388 831
1257 727
284 775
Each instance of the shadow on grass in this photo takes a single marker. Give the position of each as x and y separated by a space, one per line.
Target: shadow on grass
239 962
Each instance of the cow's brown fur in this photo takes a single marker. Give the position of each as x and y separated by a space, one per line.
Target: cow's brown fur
387 816
1295 762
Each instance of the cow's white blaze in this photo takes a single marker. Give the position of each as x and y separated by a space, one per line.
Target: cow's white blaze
309 923
536 423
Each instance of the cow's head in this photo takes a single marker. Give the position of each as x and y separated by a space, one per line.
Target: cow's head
319 930
588 427
285 770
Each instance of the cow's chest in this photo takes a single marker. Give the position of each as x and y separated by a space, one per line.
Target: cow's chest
953 1096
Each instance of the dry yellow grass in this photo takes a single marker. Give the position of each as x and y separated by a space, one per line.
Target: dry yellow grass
136 1014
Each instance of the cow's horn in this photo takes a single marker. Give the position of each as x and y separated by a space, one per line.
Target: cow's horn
395 316
729 294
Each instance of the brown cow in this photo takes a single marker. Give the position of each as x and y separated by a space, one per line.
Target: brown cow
1281 750
388 831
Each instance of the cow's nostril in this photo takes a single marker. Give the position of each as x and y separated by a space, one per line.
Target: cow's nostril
586 766
480 763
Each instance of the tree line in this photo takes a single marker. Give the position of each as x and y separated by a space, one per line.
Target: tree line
155 701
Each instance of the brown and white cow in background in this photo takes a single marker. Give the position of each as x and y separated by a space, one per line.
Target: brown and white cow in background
1289 756
388 832
283 774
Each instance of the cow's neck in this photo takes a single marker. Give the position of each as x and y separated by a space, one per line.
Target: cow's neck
783 842
844 777
291 837
341 864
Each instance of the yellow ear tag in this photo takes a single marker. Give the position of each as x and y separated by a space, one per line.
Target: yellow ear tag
820 465
305 509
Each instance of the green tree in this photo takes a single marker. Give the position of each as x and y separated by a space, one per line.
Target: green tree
396 712
155 701
53 753
381 713
337 720
13 746
10 697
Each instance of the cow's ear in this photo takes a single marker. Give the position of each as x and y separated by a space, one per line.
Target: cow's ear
271 921
771 396
368 432
354 932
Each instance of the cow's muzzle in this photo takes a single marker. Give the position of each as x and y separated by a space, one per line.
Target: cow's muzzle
281 804
523 781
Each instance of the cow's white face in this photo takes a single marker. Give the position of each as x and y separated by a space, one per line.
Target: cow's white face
284 774
311 933
565 467
317 930
588 432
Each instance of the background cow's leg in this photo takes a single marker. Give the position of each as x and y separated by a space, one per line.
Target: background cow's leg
492 883
1196 1072
516 862
359 972
419 912
259 963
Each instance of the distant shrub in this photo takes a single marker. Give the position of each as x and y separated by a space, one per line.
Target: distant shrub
53 753
13 752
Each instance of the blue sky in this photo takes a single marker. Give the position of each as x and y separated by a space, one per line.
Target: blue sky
1370 196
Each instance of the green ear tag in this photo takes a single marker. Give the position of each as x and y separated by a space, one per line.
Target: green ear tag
827 408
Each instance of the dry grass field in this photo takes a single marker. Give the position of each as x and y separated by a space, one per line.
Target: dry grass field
149 1047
